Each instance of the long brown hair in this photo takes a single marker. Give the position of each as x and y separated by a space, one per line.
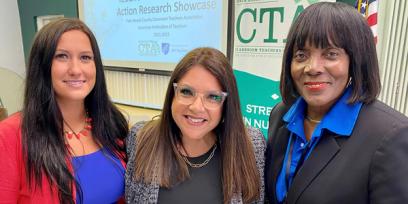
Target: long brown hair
157 156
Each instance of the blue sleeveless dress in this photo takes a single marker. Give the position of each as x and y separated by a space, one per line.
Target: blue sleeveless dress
101 177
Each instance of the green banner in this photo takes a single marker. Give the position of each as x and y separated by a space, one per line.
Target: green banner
260 31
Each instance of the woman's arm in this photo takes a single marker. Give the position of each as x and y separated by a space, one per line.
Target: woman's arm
258 141
389 170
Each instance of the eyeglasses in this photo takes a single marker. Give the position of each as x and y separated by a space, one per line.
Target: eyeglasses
187 95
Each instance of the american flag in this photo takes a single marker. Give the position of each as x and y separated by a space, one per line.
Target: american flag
368 8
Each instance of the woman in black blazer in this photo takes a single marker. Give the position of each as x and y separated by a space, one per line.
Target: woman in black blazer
331 140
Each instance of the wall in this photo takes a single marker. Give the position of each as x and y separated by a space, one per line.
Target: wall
12 66
30 9
11 55
350 2
393 53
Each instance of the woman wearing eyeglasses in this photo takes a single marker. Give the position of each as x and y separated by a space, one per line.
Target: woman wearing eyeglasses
199 150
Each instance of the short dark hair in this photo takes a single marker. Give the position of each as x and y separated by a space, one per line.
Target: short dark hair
42 123
324 24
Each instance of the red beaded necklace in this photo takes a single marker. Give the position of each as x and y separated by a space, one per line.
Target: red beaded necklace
84 132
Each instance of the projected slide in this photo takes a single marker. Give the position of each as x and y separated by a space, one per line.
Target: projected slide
154 34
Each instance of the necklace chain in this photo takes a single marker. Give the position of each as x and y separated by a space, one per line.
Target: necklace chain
312 120
84 132
201 164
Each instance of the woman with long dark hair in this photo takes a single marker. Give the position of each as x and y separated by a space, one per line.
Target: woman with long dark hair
198 150
67 144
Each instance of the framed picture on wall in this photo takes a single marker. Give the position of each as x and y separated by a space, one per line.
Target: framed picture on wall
44 20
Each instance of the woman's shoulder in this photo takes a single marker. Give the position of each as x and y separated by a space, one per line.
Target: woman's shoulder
131 138
381 119
256 135
382 122
134 133
384 113
136 127
13 121
10 128
257 139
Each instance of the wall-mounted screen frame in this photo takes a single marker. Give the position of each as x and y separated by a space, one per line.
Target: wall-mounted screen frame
154 35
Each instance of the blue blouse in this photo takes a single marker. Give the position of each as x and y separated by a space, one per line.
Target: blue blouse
340 120
101 177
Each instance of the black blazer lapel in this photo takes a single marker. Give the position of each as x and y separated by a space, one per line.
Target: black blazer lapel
275 151
317 161
274 161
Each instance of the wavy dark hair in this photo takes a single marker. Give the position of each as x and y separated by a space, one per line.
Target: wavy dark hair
324 24
45 151
157 141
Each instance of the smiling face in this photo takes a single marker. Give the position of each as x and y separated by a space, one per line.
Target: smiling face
73 70
196 122
320 75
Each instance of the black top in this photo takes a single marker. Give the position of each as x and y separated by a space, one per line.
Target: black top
204 185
